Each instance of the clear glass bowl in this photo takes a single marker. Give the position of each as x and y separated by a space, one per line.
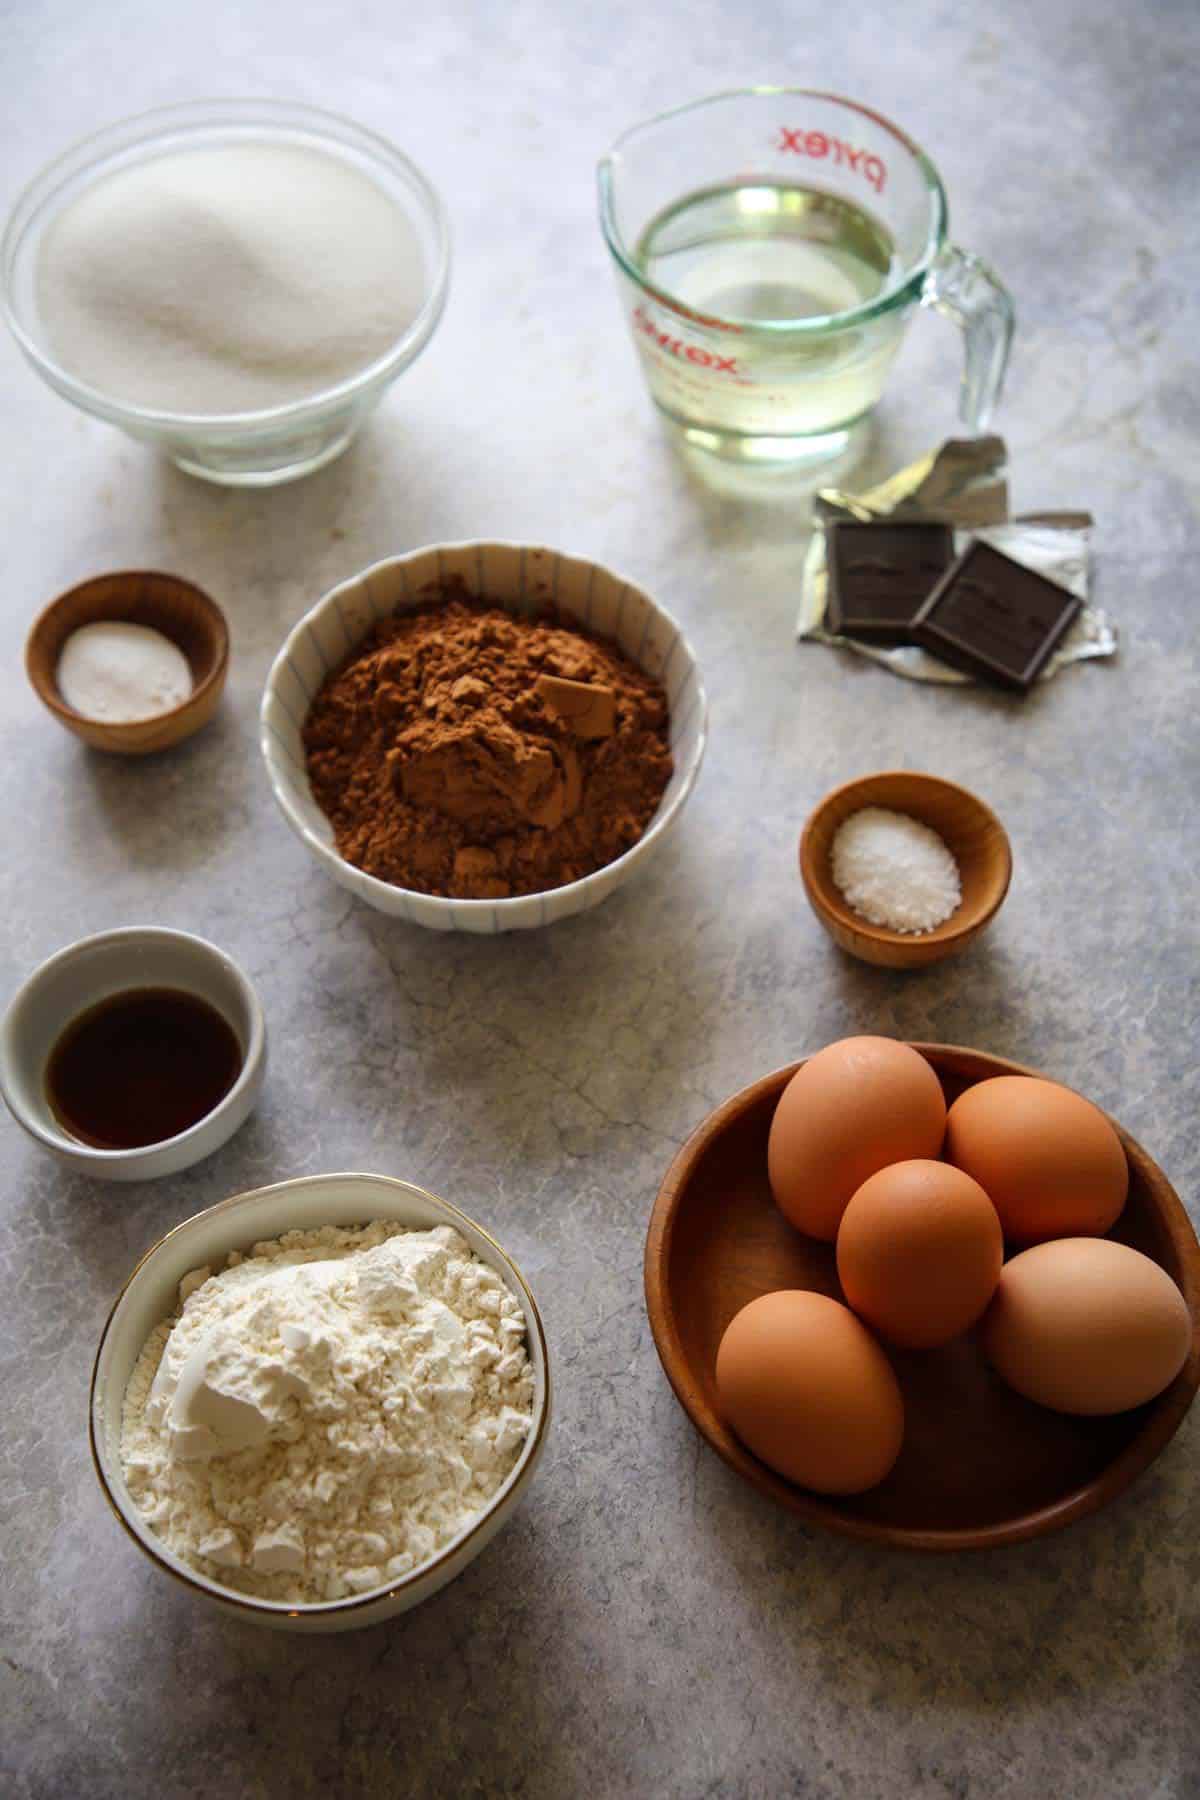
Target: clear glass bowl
249 449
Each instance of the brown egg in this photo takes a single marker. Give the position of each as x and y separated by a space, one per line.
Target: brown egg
853 1108
1048 1159
806 1387
1085 1325
919 1253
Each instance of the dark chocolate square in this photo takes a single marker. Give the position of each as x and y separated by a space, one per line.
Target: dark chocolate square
995 618
880 574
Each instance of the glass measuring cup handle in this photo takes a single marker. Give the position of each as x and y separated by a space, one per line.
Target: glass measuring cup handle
961 287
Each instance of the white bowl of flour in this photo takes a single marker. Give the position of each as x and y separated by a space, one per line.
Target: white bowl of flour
322 1430
236 281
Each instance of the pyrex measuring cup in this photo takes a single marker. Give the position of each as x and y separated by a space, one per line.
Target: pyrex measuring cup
771 246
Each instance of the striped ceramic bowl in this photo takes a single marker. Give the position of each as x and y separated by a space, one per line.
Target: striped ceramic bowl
524 578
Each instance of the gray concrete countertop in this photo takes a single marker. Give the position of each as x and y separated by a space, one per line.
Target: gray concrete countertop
647 1626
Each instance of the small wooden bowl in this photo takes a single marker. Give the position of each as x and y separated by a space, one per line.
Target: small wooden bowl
980 1466
165 603
971 831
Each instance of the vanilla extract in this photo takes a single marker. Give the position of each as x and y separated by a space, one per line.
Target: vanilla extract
141 1066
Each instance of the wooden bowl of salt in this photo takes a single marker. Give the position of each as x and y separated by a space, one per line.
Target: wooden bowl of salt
968 828
143 686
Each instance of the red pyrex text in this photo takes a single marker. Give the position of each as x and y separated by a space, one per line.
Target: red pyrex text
818 144
704 359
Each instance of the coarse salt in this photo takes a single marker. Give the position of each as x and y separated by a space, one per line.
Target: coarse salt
894 871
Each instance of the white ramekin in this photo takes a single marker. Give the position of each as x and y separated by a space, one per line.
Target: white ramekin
79 977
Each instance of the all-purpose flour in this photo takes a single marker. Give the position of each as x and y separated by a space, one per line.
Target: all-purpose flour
228 279
329 1411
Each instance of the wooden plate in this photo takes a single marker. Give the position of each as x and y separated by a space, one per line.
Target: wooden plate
980 1466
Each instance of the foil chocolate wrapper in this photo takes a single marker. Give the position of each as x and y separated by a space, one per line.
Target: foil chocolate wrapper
964 484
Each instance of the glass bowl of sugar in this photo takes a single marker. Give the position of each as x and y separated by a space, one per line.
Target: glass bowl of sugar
236 282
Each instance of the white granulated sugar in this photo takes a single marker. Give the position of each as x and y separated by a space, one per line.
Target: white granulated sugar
228 279
121 672
894 871
329 1411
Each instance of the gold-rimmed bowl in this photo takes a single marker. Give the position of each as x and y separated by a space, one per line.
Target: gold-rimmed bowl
151 1295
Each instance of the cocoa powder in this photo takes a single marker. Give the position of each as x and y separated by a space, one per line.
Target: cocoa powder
466 751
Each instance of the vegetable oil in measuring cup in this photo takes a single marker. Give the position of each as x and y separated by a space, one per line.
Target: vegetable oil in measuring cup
761 257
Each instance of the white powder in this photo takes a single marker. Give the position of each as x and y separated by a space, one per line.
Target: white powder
328 1412
894 871
228 279
120 672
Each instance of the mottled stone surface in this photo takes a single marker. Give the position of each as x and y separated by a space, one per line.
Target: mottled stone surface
647 1626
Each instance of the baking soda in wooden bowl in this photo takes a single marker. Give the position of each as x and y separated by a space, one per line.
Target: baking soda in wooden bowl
120 672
